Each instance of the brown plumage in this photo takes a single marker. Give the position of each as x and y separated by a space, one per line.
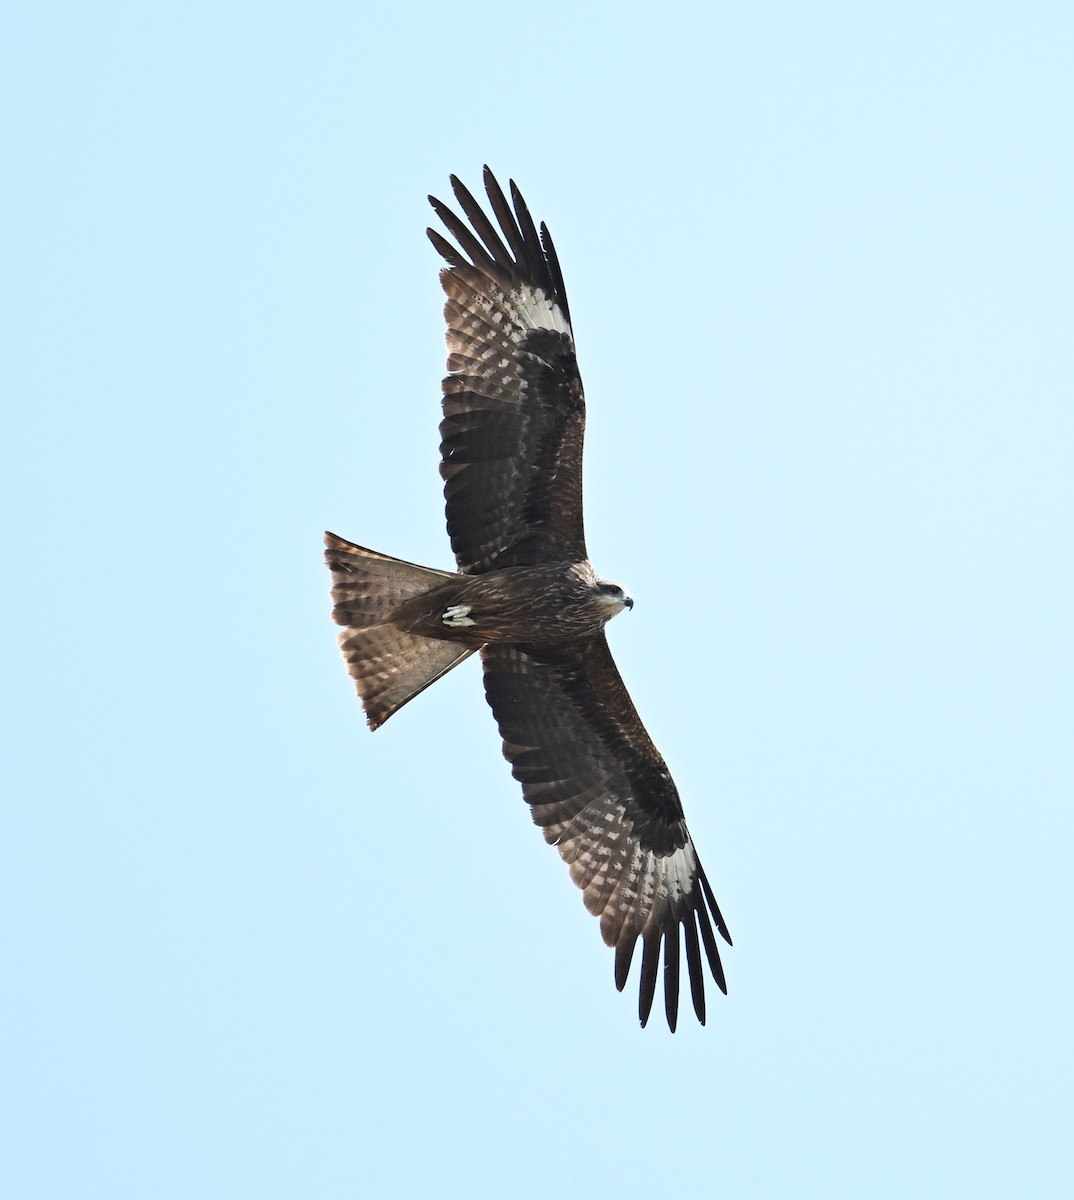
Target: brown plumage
527 598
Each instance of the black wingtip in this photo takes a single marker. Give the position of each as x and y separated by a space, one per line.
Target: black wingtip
650 964
693 963
444 248
721 924
700 945
624 955
671 975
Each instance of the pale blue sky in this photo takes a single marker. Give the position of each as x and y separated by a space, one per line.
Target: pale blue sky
819 258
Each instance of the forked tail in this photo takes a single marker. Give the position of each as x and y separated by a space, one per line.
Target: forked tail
388 665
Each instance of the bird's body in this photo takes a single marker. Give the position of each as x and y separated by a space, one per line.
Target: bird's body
526 597
539 606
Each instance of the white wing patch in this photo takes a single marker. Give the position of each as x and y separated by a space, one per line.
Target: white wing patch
485 325
675 873
622 883
534 310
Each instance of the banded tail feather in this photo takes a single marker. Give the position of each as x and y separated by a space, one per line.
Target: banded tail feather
388 665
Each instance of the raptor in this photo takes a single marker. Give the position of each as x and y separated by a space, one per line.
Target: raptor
526 598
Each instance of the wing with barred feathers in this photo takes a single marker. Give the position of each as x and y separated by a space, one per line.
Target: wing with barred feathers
602 794
514 412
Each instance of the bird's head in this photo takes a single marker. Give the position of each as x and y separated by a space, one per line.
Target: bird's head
614 596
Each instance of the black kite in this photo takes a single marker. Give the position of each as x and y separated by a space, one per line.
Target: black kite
527 599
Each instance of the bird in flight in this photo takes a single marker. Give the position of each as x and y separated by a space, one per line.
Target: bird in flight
527 599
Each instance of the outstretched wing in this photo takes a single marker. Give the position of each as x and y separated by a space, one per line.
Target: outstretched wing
514 413
601 792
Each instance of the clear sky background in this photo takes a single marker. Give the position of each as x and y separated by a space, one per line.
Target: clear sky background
820 264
